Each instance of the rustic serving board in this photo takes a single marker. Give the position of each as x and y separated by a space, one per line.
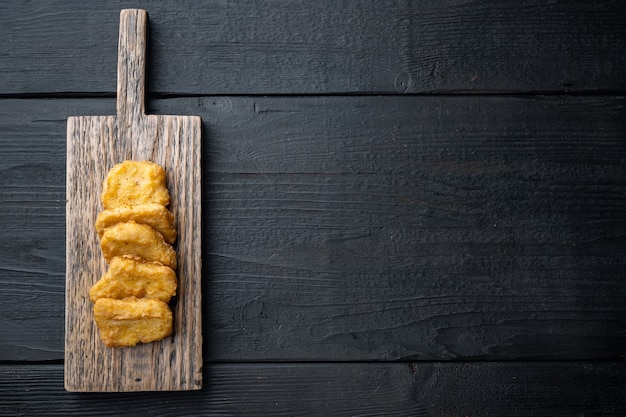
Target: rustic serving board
94 145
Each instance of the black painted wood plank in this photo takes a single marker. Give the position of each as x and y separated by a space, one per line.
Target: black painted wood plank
293 47
361 228
356 389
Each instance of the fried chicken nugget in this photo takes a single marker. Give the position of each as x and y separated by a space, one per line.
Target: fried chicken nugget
132 238
154 215
134 182
132 320
130 276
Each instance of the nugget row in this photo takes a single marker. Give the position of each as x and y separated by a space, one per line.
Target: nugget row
136 232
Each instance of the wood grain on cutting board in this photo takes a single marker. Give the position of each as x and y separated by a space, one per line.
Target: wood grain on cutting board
94 145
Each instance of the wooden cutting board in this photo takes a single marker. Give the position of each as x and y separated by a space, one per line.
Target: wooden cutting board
94 145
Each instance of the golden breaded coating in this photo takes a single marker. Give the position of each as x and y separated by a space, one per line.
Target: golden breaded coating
132 320
130 276
131 238
132 182
154 215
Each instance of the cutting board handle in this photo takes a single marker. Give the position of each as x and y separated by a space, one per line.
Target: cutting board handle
131 65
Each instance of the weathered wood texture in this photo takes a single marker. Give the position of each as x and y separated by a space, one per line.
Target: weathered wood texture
94 145
340 227
403 389
362 228
295 47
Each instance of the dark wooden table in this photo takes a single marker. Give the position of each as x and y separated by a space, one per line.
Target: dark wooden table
410 207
